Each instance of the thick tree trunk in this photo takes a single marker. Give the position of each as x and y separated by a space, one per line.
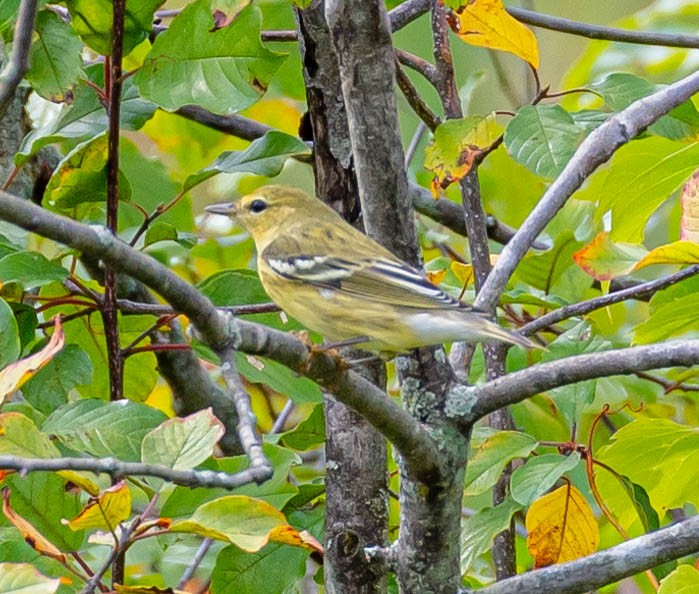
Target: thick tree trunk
356 479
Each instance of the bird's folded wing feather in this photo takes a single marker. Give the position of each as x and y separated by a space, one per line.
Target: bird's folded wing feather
378 279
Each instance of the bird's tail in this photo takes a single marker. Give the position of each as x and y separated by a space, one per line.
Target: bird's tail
494 331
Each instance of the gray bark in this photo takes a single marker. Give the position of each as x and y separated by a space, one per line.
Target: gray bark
356 478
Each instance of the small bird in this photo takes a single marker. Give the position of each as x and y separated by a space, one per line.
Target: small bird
339 282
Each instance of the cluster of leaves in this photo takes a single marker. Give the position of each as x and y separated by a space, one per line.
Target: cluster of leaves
210 55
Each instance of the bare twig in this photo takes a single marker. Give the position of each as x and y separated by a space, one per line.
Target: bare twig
18 63
474 402
562 25
578 309
196 561
418 104
234 125
118 469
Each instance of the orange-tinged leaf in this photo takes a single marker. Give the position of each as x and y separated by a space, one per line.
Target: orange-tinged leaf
436 276
561 527
604 260
486 23
31 535
689 224
106 510
678 252
289 535
456 145
15 374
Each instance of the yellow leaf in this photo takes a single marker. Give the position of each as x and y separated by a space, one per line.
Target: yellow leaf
604 259
15 374
464 272
106 511
689 225
561 527
486 23
31 535
678 252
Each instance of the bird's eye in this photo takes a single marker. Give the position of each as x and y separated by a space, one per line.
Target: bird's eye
257 205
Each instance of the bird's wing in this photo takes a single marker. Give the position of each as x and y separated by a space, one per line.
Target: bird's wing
378 279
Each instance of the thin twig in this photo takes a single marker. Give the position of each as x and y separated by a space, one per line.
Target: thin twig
417 64
18 63
196 561
413 98
283 417
118 469
643 290
561 25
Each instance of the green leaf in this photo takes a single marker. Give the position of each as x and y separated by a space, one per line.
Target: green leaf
573 398
643 174
9 334
50 387
85 117
183 443
19 436
56 57
280 378
277 491
309 433
661 456
639 498
243 521
478 531
23 578
159 231
104 428
487 462
81 176
227 69
543 138
675 318
42 499
278 567
620 89
30 269
92 20
539 474
265 156
684 580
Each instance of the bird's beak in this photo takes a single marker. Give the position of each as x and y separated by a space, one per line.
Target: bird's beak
228 209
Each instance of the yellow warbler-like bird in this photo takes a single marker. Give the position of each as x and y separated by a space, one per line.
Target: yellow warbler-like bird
339 282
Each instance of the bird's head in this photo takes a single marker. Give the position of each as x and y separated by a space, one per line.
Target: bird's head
263 211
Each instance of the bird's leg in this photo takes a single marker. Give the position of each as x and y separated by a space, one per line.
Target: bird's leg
327 346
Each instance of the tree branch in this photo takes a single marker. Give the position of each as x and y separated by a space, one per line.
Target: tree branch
396 425
451 215
578 309
118 469
608 566
235 125
596 149
474 402
562 25
18 64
